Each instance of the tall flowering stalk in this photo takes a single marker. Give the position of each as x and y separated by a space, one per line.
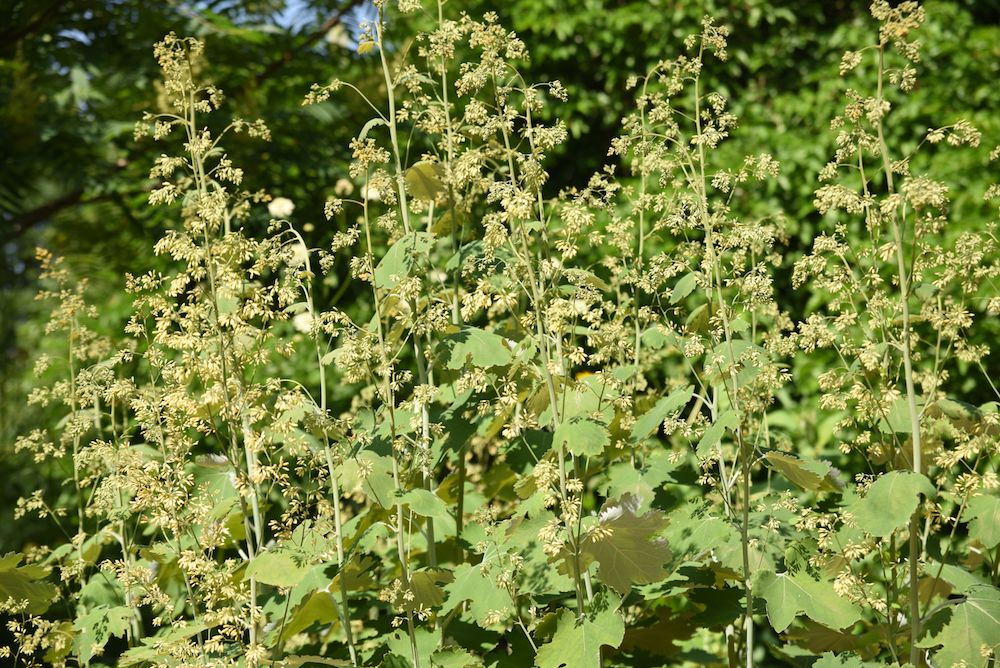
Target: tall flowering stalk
898 315
731 338
555 428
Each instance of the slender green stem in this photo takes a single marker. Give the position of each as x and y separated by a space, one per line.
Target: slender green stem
393 132
744 449
404 210
345 614
255 522
385 373
535 294
456 312
911 395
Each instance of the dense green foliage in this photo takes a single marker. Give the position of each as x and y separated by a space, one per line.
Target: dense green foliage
632 337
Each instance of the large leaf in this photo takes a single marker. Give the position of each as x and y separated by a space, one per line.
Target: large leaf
582 436
890 502
25 583
972 630
789 595
401 258
481 590
684 287
647 424
713 434
95 628
423 180
478 347
621 543
809 474
983 515
277 568
577 642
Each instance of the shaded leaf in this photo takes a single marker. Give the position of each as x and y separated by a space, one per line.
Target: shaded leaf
425 585
818 639
684 287
455 657
423 180
694 531
25 583
809 474
621 543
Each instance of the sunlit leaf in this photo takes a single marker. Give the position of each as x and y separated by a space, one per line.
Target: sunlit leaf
484 595
95 628
890 502
647 424
967 633
277 568
983 515
577 642
399 261
788 595
582 436
728 420
478 347
831 660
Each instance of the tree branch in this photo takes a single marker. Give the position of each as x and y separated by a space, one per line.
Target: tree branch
16 34
290 54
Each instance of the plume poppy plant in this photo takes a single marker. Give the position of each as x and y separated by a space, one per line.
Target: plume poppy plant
483 422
